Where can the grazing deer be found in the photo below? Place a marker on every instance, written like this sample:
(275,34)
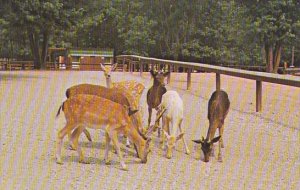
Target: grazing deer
(172,120)
(156,91)
(114,95)
(218,107)
(95,112)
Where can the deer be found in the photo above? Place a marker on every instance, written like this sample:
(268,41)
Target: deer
(172,117)
(218,108)
(95,112)
(155,92)
(132,89)
(115,95)
(135,88)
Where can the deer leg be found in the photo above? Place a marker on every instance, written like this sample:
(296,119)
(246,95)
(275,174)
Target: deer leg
(61,134)
(164,127)
(87,134)
(127,142)
(220,153)
(221,130)
(107,147)
(74,140)
(187,151)
(114,138)
(149,117)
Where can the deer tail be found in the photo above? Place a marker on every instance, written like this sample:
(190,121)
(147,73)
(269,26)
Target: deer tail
(60,107)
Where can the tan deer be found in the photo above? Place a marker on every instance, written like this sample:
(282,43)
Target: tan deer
(134,88)
(91,111)
(131,89)
(115,95)
(218,107)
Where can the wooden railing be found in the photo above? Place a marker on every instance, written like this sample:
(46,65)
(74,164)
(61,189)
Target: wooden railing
(132,61)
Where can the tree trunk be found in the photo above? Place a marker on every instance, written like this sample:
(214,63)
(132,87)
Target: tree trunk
(277,57)
(44,49)
(269,58)
(34,45)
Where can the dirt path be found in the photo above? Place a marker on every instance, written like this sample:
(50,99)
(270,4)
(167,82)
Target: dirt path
(261,149)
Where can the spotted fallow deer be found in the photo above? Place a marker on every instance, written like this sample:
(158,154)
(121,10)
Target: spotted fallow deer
(155,92)
(131,89)
(134,88)
(218,107)
(172,121)
(95,112)
(114,95)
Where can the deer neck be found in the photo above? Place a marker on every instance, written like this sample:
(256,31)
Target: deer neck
(137,139)
(108,82)
(156,83)
(211,130)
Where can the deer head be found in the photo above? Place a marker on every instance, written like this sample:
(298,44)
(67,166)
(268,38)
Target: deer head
(159,77)
(107,73)
(207,146)
(171,141)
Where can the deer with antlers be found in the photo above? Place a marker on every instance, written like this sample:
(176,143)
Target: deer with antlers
(218,107)
(155,92)
(95,112)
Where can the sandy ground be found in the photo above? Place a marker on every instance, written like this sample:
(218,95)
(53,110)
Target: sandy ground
(262,150)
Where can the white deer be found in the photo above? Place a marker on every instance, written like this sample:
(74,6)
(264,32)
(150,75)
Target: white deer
(172,106)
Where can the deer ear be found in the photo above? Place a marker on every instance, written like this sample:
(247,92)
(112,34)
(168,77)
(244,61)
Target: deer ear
(131,112)
(179,136)
(102,67)
(114,66)
(153,73)
(197,141)
(215,140)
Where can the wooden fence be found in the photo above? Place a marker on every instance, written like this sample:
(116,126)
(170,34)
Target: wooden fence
(131,62)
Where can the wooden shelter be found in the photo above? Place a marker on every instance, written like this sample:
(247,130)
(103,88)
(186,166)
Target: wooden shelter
(89,59)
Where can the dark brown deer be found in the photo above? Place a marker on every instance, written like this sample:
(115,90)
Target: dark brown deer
(154,94)
(218,107)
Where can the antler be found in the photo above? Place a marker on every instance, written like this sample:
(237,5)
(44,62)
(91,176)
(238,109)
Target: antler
(155,126)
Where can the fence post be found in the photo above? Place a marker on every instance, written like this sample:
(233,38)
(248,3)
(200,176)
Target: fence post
(218,81)
(123,62)
(169,75)
(141,68)
(189,78)
(258,96)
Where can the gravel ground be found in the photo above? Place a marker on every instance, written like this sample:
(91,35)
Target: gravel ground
(261,149)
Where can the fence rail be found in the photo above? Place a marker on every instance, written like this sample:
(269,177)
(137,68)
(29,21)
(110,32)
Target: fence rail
(131,61)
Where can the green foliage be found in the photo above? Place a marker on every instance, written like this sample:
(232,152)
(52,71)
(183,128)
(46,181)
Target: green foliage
(229,32)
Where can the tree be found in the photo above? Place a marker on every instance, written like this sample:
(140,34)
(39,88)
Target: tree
(40,19)
(275,23)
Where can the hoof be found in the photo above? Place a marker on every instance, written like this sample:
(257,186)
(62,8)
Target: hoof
(59,161)
(84,162)
(220,159)
(188,152)
(71,147)
(128,145)
(124,168)
(107,162)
